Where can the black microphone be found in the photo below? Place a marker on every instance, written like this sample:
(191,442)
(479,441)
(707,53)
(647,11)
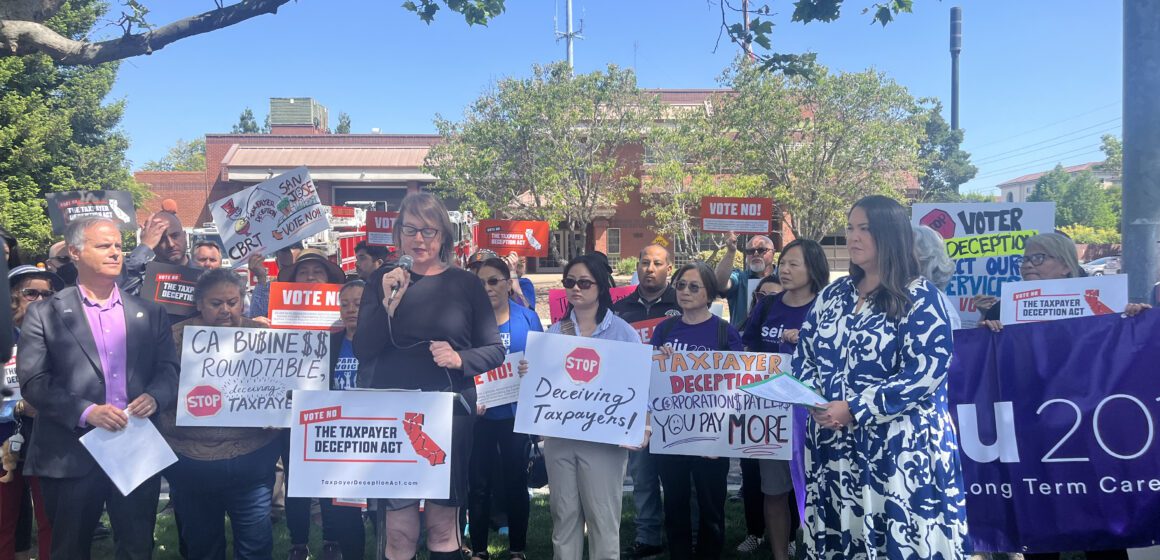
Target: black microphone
(404,263)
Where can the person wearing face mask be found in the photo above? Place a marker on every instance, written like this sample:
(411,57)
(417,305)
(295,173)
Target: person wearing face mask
(220,471)
(653,298)
(774,327)
(495,442)
(1048,256)
(430,328)
(881,405)
(311,267)
(586,478)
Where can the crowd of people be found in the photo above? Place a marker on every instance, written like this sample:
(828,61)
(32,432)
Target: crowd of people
(876,345)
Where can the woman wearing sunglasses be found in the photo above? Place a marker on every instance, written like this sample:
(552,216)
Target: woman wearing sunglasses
(587,479)
(28,285)
(695,329)
(429,328)
(495,441)
(773,327)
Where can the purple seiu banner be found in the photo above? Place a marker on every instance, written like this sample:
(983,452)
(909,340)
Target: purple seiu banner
(1057,426)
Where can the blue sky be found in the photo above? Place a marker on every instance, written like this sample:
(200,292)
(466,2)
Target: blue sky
(1041,79)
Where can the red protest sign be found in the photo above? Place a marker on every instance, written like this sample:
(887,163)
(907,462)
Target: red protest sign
(582,364)
(381,228)
(721,214)
(526,238)
(204,400)
(295,305)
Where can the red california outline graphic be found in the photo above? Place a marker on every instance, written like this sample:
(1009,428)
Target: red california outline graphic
(423,444)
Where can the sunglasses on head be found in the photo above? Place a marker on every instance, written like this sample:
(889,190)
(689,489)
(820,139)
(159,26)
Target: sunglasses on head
(493,282)
(757,251)
(681,286)
(33,294)
(584,283)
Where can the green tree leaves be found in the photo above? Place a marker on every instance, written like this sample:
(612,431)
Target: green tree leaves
(183,156)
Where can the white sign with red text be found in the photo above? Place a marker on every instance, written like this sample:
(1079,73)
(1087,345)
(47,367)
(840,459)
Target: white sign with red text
(699,409)
(1051,300)
(501,385)
(584,388)
(371,444)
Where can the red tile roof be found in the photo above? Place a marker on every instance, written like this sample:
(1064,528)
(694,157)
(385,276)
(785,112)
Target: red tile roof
(331,156)
(1035,176)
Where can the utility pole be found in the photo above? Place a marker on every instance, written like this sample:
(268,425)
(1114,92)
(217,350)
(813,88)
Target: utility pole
(745,45)
(569,35)
(956,48)
(1141,174)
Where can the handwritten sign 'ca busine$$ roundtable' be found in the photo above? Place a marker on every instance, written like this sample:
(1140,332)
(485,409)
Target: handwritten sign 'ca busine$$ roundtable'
(238,377)
(270,215)
(584,388)
(371,444)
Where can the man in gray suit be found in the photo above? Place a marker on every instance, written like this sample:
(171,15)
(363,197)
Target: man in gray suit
(87,358)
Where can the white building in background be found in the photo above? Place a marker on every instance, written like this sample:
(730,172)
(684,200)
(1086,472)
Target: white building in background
(1020,188)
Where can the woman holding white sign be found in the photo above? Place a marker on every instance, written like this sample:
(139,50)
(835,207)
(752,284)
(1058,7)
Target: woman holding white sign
(884,475)
(495,441)
(428,326)
(1049,256)
(220,471)
(695,329)
(587,479)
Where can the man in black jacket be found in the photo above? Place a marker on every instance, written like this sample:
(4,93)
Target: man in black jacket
(654,298)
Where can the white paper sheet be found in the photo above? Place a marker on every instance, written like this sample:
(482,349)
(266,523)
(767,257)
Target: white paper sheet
(785,388)
(130,456)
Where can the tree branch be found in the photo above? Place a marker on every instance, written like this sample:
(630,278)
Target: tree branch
(28,37)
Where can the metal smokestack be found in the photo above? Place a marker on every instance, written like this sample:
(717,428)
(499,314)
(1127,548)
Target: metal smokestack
(956,48)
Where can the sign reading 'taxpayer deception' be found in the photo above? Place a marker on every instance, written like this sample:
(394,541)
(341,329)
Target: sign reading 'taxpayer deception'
(526,238)
(65,207)
(295,305)
(1050,300)
(740,215)
(381,228)
(171,286)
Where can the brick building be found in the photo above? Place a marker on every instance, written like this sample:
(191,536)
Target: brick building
(379,167)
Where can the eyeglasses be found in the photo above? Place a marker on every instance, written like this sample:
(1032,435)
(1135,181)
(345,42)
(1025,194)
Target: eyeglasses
(584,283)
(681,286)
(757,251)
(427,232)
(1037,259)
(493,282)
(33,294)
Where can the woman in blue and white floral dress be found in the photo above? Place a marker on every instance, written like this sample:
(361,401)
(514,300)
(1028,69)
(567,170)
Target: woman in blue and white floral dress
(882,458)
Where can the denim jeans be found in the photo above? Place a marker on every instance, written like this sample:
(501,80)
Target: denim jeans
(646,495)
(204,492)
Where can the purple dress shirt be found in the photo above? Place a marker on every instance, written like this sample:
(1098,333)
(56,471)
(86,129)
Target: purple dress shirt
(107,323)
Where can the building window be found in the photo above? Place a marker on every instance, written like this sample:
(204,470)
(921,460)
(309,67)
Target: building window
(1010,197)
(613,241)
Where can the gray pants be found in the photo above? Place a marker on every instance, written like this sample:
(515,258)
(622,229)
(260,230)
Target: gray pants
(587,488)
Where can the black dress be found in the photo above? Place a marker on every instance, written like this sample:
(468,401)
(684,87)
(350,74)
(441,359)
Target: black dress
(451,306)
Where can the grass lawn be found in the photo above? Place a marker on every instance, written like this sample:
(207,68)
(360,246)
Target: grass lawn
(539,536)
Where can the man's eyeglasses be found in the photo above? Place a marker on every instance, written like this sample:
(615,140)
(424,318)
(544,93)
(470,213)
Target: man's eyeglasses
(757,251)
(1037,259)
(33,294)
(493,282)
(681,286)
(427,232)
(584,283)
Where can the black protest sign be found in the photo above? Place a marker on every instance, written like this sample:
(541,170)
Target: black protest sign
(171,286)
(64,207)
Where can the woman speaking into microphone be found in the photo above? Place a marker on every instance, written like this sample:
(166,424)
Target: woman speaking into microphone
(429,328)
